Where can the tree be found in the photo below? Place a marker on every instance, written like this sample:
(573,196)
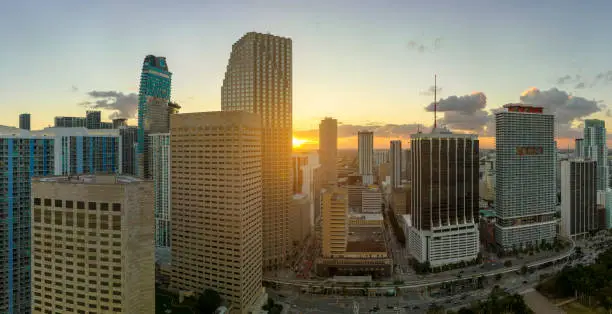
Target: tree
(208,301)
(508,263)
(435,309)
(498,277)
(524,269)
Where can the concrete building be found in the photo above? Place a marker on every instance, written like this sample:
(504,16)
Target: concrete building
(579,148)
(328,150)
(216,184)
(24,121)
(578,197)
(298,161)
(93,118)
(159,147)
(384,173)
(371,200)
(69,122)
(258,79)
(119,122)
(365,156)
(334,229)
(129,145)
(381,156)
(608,209)
(153,98)
(312,183)
(395,153)
(355,196)
(406,161)
(596,148)
(524,176)
(299,219)
(22,156)
(399,200)
(98,230)
(444,197)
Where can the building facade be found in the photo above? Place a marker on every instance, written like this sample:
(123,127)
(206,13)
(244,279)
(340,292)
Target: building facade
(21,158)
(365,153)
(24,121)
(578,148)
(93,118)
(298,161)
(300,220)
(216,193)
(328,150)
(371,200)
(596,148)
(578,197)
(395,152)
(334,222)
(98,231)
(258,79)
(525,162)
(445,196)
(153,98)
(69,122)
(129,138)
(160,174)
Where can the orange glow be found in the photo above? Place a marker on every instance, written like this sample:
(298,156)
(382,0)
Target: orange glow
(298,142)
(529,91)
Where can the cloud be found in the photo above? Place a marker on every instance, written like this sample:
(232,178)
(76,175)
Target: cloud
(430,90)
(580,85)
(122,105)
(74,89)
(568,109)
(564,79)
(466,104)
(380,130)
(425,47)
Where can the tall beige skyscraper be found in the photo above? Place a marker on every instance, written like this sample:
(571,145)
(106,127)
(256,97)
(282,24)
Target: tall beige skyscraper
(93,245)
(365,154)
(328,149)
(216,193)
(334,229)
(258,80)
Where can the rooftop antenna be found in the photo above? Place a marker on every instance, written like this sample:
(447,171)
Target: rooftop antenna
(435,101)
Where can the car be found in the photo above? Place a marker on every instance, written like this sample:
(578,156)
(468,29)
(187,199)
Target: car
(389,306)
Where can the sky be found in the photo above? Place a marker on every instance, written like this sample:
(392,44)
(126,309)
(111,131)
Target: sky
(369,64)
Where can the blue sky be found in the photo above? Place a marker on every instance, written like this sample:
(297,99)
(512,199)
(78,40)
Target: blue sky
(352,59)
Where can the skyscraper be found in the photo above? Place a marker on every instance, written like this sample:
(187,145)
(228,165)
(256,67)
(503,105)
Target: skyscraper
(21,158)
(70,122)
(596,148)
(24,121)
(524,176)
(153,98)
(160,173)
(579,148)
(396,163)
(298,161)
(119,122)
(258,79)
(365,155)
(444,197)
(328,149)
(216,182)
(578,197)
(334,227)
(111,272)
(93,119)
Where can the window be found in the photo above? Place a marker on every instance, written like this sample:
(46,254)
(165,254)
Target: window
(91,205)
(58,203)
(116,207)
(80,205)
(104,206)
(47,202)
(69,204)
(37,201)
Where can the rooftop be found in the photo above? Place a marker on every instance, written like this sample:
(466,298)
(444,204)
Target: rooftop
(366,216)
(365,239)
(90,179)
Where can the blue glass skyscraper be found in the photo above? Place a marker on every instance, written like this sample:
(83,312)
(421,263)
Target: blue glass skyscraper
(153,97)
(22,157)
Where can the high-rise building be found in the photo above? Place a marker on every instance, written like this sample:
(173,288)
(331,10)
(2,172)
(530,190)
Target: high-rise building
(596,148)
(298,161)
(24,121)
(106,125)
(578,197)
(525,162)
(153,98)
(299,219)
(328,149)
(395,153)
(93,119)
(129,137)
(381,156)
(216,184)
(406,155)
(579,148)
(98,231)
(119,122)
(70,122)
(160,173)
(22,156)
(258,79)
(444,197)
(371,200)
(334,226)
(365,155)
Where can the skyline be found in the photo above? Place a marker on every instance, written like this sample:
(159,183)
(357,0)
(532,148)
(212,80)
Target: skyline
(347,64)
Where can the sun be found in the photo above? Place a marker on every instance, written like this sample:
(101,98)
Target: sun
(298,142)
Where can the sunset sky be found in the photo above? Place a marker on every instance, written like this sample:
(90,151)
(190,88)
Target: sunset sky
(369,64)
